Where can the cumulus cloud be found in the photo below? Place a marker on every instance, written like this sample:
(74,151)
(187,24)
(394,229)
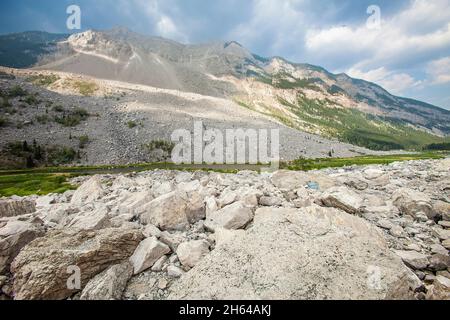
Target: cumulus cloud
(393,82)
(157,18)
(400,40)
(277,25)
(439,71)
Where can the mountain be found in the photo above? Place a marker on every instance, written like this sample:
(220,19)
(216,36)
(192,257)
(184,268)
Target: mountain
(302,96)
(22,50)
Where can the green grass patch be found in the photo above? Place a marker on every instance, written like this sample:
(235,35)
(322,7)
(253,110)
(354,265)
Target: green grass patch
(83,141)
(317,164)
(85,88)
(72,118)
(30,184)
(3,121)
(358,128)
(166,146)
(43,80)
(132,124)
(46,180)
(16,91)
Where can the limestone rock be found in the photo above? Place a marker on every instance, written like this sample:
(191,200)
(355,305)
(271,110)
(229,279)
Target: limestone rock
(158,266)
(313,253)
(372,174)
(270,201)
(413,259)
(443,209)
(91,220)
(14,235)
(89,191)
(45,201)
(167,212)
(411,202)
(147,253)
(41,270)
(108,285)
(190,253)
(135,202)
(442,234)
(151,231)
(440,290)
(292,180)
(172,240)
(227,198)
(211,205)
(174,272)
(342,198)
(235,216)
(356,183)
(13,208)
(439,262)
(446,244)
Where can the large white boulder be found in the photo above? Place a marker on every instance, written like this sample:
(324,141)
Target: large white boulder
(342,198)
(43,269)
(313,253)
(89,191)
(191,252)
(235,216)
(411,202)
(147,253)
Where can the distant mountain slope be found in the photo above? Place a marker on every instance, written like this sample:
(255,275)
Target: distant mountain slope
(303,96)
(23,50)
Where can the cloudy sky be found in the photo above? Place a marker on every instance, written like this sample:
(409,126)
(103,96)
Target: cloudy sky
(407,52)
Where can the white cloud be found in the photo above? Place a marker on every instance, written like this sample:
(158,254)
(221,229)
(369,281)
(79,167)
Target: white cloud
(394,82)
(159,21)
(407,36)
(439,71)
(279,24)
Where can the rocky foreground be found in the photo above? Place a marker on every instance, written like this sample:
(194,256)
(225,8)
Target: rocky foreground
(378,232)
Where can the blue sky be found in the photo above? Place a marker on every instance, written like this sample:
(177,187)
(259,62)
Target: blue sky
(408,54)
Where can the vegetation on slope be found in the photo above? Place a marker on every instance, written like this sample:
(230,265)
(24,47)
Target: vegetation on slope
(54,179)
(358,128)
(317,164)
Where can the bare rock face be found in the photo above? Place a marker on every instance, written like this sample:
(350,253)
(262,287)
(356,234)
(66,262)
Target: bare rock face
(235,216)
(313,253)
(41,268)
(147,253)
(110,284)
(14,235)
(190,253)
(291,180)
(89,191)
(174,211)
(90,220)
(443,209)
(440,290)
(13,208)
(413,259)
(411,202)
(342,198)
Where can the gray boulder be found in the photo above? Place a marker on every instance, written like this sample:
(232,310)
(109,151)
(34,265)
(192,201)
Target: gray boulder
(13,208)
(147,253)
(42,269)
(235,216)
(110,284)
(313,253)
(342,198)
(14,235)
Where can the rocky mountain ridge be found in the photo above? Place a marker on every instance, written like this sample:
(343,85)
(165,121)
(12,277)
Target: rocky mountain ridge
(302,96)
